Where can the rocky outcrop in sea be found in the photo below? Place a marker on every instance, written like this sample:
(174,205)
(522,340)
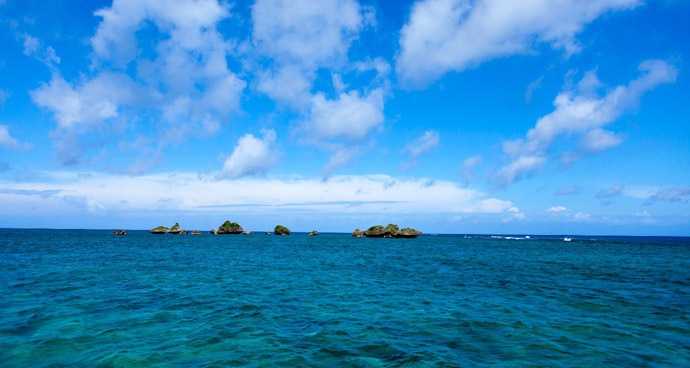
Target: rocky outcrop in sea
(390,231)
(175,229)
(228,227)
(281,230)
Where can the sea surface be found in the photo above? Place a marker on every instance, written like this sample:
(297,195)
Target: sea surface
(82,298)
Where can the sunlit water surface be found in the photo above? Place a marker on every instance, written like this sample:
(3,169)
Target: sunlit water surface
(90,298)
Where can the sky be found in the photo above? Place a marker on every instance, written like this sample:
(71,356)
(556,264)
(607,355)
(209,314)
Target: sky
(450,116)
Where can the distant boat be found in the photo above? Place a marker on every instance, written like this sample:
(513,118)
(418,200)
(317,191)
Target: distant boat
(567,239)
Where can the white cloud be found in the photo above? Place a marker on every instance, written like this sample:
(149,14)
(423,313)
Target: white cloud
(680,194)
(250,156)
(581,216)
(582,112)
(556,209)
(34,47)
(81,107)
(300,37)
(428,141)
(340,158)
(598,140)
(520,167)
(309,33)
(350,117)
(445,35)
(190,25)
(288,84)
(642,214)
(9,142)
(531,88)
(157,194)
(181,81)
(295,39)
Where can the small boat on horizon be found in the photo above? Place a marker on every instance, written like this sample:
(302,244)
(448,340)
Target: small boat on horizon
(567,239)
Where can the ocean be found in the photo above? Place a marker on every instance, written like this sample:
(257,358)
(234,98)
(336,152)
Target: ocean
(87,298)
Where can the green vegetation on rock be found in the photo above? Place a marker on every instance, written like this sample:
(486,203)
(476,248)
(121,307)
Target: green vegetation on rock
(281,230)
(230,227)
(377,231)
(390,231)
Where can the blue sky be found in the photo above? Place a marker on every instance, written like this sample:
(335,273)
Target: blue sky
(450,116)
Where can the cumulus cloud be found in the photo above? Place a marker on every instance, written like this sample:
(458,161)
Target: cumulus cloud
(311,32)
(295,39)
(447,35)
(190,25)
(180,80)
(300,37)
(83,106)
(250,156)
(287,84)
(581,112)
(9,142)
(428,141)
(515,214)
(349,117)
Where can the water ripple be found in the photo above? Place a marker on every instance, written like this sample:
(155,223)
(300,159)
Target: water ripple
(87,298)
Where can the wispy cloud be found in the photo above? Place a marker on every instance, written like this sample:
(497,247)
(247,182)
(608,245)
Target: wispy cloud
(556,209)
(581,112)
(35,48)
(446,35)
(468,168)
(423,144)
(611,192)
(679,194)
(32,192)
(570,189)
(9,142)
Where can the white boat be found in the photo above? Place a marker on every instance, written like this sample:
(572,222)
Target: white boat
(567,239)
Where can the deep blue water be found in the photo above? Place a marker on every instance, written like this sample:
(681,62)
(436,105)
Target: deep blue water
(90,298)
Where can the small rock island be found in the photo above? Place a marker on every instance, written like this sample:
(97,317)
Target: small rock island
(175,229)
(281,230)
(228,227)
(390,231)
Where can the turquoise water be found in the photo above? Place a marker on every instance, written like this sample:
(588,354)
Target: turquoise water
(90,298)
